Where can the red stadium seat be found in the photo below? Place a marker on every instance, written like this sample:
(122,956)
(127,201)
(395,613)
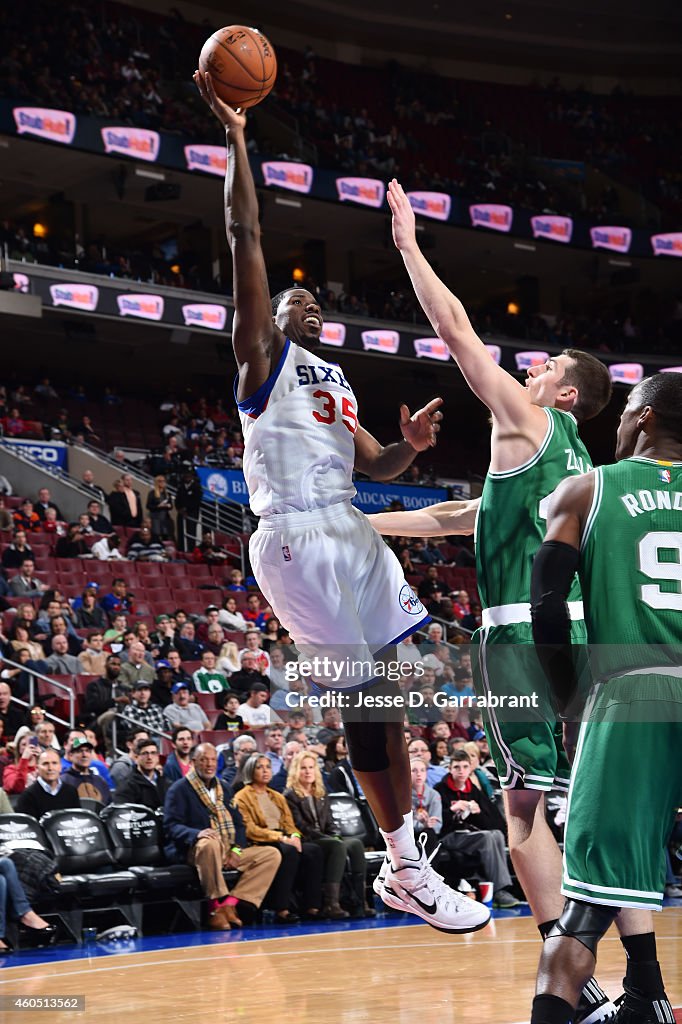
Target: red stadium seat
(175,569)
(152,582)
(206,702)
(145,569)
(235,637)
(215,737)
(181,583)
(200,572)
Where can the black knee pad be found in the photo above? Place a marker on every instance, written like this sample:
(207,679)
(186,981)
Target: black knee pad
(367,745)
(586,922)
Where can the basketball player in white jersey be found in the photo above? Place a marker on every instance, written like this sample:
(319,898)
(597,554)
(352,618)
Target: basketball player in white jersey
(329,578)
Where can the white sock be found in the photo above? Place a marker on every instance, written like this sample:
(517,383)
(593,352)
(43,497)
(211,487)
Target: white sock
(409,820)
(400,845)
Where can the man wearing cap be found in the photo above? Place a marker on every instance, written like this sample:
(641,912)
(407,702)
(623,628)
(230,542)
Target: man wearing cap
(80,775)
(141,710)
(145,783)
(161,687)
(211,613)
(255,710)
(183,712)
(48,792)
(97,767)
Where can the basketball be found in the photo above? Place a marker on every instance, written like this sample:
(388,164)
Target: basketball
(242,64)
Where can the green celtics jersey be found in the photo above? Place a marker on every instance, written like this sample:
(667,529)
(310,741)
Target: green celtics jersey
(511,521)
(631,566)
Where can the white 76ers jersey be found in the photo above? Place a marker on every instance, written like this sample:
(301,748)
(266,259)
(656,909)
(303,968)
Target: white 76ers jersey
(299,430)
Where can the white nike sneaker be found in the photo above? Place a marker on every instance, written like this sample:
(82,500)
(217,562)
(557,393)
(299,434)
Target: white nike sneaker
(378,883)
(416,888)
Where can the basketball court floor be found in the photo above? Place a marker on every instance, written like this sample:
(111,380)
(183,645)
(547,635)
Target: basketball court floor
(389,971)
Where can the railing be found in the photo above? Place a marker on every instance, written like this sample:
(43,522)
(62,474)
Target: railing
(69,692)
(225,515)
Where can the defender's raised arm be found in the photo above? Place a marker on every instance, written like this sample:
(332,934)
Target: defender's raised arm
(505,397)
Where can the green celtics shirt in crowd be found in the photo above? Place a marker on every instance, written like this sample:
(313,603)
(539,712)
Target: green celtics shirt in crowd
(511,521)
(631,567)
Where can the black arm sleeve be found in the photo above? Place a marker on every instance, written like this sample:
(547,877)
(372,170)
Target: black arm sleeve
(554,568)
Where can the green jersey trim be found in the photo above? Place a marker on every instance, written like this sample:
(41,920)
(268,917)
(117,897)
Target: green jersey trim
(503,474)
(597,493)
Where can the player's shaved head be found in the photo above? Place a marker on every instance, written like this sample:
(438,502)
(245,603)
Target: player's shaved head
(662,392)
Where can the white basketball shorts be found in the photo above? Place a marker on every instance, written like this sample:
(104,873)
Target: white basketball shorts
(335,586)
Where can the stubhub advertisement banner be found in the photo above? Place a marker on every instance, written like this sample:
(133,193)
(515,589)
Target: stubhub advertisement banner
(75,296)
(626,373)
(431,348)
(209,159)
(333,334)
(204,314)
(139,143)
(223,484)
(54,125)
(147,307)
(491,215)
(53,455)
(667,245)
(431,204)
(366,191)
(287,174)
(526,359)
(615,239)
(557,229)
(373,497)
(381,341)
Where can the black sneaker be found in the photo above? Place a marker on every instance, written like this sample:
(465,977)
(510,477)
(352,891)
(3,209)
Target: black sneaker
(634,1009)
(594,1005)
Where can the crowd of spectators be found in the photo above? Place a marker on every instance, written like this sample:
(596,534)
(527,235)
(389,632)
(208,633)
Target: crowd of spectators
(468,138)
(185,706)
(206,716)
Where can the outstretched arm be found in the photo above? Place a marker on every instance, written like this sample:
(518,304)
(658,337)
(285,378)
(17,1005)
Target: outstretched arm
(256,340)
(554,569)
(419,433)
(443,519)
(505,397)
